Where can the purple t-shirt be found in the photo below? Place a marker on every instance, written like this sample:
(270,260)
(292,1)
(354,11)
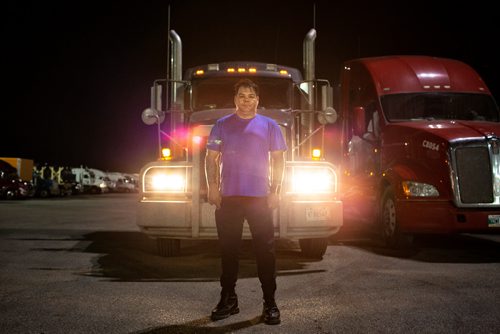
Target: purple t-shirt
(245,145)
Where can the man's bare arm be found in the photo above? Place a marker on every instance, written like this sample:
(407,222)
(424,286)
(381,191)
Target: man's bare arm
(212,173)
(277,172)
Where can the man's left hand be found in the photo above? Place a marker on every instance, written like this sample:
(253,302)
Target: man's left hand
(273,201)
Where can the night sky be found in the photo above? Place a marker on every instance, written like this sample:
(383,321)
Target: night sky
(76,75)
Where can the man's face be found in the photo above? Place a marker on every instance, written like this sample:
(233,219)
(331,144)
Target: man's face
(246,102)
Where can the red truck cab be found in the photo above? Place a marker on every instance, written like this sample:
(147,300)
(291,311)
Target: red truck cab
(420,147)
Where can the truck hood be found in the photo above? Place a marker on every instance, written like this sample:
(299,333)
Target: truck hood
(450,130)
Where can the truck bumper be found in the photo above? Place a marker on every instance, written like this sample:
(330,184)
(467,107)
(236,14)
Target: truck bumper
(415,216)
(180,219)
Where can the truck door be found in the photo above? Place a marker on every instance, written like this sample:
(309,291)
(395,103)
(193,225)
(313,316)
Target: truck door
(361,149)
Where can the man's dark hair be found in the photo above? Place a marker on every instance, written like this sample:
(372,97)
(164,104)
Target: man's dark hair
(247,83)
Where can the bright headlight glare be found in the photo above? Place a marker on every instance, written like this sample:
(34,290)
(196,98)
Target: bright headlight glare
(310,180)
(168,182)
(418,189)
(165,180)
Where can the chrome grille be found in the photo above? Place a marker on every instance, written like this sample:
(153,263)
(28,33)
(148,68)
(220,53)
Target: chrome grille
(475,167)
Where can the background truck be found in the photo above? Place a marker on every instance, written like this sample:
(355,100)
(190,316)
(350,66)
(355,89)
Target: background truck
(121,182)
(55,181)
(173,192)
(90,182)
(420,147)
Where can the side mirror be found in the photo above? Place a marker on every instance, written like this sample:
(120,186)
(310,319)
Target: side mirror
(359,121)
(327,116)
(150,116)
(154,114)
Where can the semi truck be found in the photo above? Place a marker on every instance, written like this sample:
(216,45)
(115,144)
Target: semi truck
(420,147)
(91,180)
(121,182)
(173,192)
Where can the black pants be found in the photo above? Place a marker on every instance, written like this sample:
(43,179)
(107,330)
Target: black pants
(229,219)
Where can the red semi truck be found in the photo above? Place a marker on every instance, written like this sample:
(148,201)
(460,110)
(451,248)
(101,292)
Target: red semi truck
(420,147)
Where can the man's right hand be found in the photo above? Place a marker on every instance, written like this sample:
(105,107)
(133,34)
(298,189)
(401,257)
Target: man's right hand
(214,197)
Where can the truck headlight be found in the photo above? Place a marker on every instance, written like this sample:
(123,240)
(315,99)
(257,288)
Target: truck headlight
(311,180)
(419,189)
(169,179)
(168,182)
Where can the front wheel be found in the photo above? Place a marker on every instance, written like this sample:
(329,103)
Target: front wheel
(391,230)
(168,247)
(313,248)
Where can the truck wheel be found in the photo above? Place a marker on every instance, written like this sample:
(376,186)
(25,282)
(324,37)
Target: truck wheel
(313,248)
(168,247)
(389,224)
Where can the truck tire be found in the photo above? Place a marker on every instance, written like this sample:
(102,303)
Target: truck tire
(313,248)
(391,232)
(168,247)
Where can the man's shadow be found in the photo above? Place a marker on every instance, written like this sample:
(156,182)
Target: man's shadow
(132,256)
(201,326)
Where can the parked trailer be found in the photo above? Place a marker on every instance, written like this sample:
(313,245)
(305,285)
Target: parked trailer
(23,166)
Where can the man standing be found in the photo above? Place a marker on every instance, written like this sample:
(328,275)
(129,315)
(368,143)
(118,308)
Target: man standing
(245,146)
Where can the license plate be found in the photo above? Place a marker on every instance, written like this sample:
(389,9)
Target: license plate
(317,213)
(494,221)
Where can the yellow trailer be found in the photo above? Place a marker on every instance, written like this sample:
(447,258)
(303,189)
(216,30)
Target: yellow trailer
(24,167)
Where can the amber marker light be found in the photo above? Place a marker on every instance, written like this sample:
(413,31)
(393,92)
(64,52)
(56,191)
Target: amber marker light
(252,70)
(200,72)
(241,70)
(316,154)
(230,70)
(283,72)
(166,153)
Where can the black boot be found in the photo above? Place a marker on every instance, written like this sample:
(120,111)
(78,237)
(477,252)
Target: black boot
(227,306)
(271,313)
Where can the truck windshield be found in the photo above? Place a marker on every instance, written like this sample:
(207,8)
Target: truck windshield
(437,106)
(217,92)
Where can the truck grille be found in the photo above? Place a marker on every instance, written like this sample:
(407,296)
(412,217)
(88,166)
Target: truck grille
(476,168)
